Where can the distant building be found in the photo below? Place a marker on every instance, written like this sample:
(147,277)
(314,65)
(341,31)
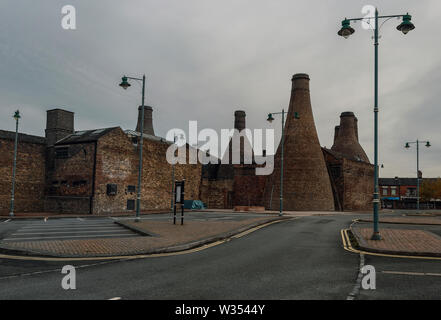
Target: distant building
(402,192)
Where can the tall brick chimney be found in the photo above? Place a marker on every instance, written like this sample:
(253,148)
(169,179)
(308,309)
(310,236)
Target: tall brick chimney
(347,140)
(307,186)
(336,130)
(148,120)
(245,144)
(59,124)
(239,120)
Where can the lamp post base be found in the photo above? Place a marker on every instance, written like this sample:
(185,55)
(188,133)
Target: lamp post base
(11,214)
(376,236)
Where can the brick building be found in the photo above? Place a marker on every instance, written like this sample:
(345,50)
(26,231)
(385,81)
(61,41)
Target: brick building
(225,186)
(351,174)
(93,171)
(30,175)
(315,178)
(401,193)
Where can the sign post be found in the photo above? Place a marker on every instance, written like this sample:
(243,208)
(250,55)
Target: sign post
(179,198)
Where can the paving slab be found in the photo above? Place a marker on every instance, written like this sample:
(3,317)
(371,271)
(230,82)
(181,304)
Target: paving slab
(166,237)
(399,242)
(407,220)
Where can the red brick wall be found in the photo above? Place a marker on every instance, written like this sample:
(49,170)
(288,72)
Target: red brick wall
(353,182)
(30,181)
(217,194)
(248,188)
(117,163)
(69,181)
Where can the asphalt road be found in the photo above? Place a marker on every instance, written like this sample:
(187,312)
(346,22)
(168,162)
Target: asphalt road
(300,259)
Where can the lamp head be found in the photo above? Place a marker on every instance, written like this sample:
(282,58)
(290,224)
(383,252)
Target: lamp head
(428,145)
(407,146)
(270,118)
(17,115)
(124,84)
(346,29)
(406,25)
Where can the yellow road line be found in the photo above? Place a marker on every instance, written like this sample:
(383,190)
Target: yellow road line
(143,256)
(351,249)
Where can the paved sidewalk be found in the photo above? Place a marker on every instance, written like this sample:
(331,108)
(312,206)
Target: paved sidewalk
(166,238)
(399,242)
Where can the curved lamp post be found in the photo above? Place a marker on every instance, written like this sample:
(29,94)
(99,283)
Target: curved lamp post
(345,31)
(125,84)
(270,120)
(407,146)
(14,167)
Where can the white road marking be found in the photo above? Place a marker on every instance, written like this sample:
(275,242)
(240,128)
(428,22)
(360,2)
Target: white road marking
(80,219)
(116,298)
(62,232)
(71,228)
(6,221)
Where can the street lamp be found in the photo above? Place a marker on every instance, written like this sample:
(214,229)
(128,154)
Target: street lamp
(14,167)
(407,146)
(345,32)
(125,84)
(270,120)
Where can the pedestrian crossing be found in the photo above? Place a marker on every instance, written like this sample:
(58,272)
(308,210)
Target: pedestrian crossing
(69,229)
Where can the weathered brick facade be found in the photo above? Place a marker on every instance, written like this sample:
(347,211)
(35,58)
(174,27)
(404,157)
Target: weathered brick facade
(30,179)
(306,181)
(225,186)
(117,163)
(96,171)
(352,176)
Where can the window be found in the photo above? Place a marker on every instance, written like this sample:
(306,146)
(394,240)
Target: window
(130,204)
(62,153)
(384,193)
(411,192)
(112,189)
(131,189)
(393,191)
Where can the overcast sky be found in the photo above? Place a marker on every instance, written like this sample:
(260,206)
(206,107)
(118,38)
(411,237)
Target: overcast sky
(204,59)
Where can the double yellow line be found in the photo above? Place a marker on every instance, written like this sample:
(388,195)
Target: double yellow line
(348,247)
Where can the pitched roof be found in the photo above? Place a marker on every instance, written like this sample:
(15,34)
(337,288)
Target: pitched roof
(84,136)
(146,136)
(10,135)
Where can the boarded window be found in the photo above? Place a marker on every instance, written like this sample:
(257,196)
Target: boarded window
(130,204)
(112,189)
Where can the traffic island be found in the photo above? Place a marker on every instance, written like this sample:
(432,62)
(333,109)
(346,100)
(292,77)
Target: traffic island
(407,220)
(403,242)
(157,237)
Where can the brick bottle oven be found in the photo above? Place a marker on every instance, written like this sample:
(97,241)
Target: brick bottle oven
(306,181)
(346,138)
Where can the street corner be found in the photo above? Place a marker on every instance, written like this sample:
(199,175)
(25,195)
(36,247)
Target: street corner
(128,239)
(410,243)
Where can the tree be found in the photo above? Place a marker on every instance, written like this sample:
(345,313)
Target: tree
(430,189)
